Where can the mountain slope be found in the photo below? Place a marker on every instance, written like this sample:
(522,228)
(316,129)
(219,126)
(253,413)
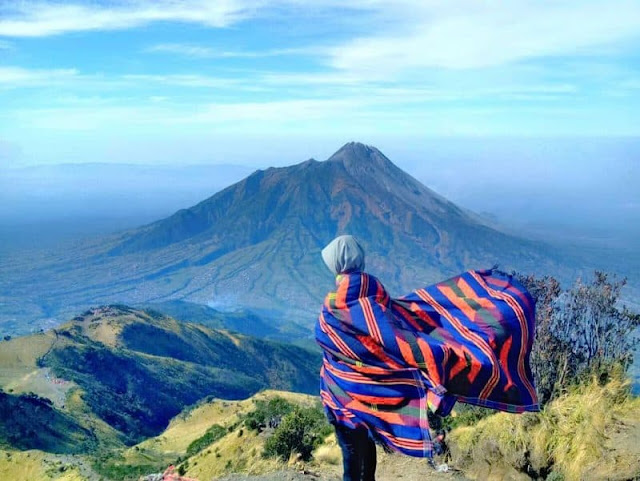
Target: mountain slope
(256,244)
(127,372)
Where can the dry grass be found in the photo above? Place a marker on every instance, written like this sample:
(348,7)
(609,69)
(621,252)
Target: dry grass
(34,465)
(189,426)
(329,452)
(18,356)
(588,433)
(240,451)
(579,431)
(234,453)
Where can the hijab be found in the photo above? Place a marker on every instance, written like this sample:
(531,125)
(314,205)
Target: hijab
(344,254)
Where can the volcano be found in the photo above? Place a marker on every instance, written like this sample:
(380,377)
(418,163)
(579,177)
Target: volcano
(257,243)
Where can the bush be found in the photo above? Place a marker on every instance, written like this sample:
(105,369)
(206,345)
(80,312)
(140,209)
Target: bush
(117,469)
(214,433)
(301,431)
(465,415)
(555,476)
(267,413)
(578,331)
(599,332)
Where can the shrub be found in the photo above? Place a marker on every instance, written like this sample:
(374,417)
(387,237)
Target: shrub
(463,415)
(599,332)
(578,331)
(555,476)
(301,431)
(214,433)
(267,413)
(113,469)
(550,351)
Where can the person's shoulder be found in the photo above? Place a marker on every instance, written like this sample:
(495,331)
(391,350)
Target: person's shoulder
(358,284)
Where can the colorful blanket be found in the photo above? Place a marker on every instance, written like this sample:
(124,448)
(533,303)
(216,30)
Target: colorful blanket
(387,361)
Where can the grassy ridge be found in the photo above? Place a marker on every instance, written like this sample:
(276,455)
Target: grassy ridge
(137,395)
(208,440)
(139,369)
(118,375)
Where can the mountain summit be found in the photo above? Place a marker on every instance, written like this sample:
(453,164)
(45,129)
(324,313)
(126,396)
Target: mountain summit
(357,189)
(257,243)
(354,153)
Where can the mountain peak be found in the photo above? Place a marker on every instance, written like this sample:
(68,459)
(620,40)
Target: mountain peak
(352,152)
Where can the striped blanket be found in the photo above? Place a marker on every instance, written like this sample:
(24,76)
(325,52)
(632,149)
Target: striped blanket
(387,361)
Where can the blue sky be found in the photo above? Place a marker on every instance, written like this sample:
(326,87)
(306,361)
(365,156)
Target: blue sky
(276,81)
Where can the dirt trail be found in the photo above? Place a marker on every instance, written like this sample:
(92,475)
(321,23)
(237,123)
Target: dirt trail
(390,468)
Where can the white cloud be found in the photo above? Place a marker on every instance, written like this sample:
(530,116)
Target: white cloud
(39,18)
(42,18)
(71,80)
(409,34)
(370,111)
(467,34)
(188,50)
(182,80)
(17,77)
(154,115)
(201,51)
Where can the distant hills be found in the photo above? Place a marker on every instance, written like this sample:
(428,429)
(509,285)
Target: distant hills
(118,375)
(256,245)
(243,321)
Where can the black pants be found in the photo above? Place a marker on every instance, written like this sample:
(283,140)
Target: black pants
(358,454)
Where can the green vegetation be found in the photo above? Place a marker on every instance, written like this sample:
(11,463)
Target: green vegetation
(214,433)
(301,431)
(267,413)
(463,415)
(31,422)
(138,395)
(296,429)
(137,386)
(114,467)
(578,331)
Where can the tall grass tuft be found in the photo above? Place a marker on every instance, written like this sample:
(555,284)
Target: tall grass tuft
(329,452)
(577,435)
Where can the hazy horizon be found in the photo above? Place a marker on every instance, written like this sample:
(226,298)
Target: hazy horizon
(580,190)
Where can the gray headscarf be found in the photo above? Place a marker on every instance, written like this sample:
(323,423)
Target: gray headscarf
(343,254)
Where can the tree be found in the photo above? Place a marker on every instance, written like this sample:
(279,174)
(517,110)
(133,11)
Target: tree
(550,355)
(301,431)
(578,331)
(600,332)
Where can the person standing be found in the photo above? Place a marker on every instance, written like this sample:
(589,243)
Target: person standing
(387,362)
